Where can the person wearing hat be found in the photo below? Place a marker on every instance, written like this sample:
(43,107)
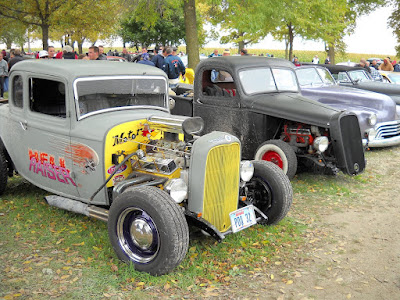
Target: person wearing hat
(43,54)
(145,60)
(226,52)
(68,53)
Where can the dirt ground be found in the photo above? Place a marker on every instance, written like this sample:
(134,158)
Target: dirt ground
(351,253)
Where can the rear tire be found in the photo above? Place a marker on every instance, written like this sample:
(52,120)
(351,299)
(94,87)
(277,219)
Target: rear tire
(279,153)
(3,172)
(270,191)
(148,229)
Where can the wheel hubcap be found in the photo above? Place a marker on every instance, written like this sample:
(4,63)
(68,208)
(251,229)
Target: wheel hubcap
(141,233)
(138,235)
(273,157)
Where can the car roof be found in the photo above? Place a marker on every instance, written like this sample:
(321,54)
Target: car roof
(239,62)
(340,68)
(74,68)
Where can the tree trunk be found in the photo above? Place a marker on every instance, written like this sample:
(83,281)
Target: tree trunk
(286,48)
(80,43)
(331,53)
(9,45)
(192,39)
(291,37)
(45,35)
(241,44)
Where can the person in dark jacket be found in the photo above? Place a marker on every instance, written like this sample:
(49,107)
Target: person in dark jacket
(159,59)
(69,53)
(145,60)
(15,57)
(174,67)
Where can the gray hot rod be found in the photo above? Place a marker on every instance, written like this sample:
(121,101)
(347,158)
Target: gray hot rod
(100,137)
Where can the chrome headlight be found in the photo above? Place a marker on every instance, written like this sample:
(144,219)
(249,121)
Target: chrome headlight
(246,170)
(372,119)
(177,189)
(321,143)
(370,134)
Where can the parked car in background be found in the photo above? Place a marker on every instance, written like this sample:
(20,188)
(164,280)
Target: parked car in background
(347,63)
(116,58)
(390,77)
(258,100)
(357,77)
(379,122)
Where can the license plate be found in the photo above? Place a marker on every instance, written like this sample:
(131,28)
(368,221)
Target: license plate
(242,218)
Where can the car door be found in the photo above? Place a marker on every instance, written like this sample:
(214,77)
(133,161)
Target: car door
(42,128)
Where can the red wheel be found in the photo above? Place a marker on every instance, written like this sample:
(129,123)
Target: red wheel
(279,153)
(273,157)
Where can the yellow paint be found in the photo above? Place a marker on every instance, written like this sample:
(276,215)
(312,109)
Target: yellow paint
(115,143)
(125,138)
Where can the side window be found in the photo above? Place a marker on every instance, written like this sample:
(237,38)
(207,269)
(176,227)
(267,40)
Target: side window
(47,97)
(17,91)
(218,83)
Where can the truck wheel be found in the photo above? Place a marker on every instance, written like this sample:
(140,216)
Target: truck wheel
(3,172)
(270,191)
(279,153)
(148,229)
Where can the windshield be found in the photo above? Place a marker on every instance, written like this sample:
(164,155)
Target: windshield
(98,94)
(394,78)
(264,80)
(308,77)
(359,75)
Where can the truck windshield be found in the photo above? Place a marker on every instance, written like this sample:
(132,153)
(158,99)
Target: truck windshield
(264,80)
(98,94)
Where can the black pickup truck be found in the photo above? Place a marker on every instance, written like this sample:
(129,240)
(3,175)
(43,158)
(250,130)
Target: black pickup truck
(258,100)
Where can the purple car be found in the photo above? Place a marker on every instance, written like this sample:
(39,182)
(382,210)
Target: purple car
(376,112)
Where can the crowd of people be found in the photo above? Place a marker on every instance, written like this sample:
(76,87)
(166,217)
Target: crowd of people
(165,58)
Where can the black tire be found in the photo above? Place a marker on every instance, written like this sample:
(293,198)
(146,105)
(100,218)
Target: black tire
(279,153)
(162,243)
(270,191)
(3,172)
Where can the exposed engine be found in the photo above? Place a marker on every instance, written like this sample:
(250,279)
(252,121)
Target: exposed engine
(161,156)
(301,135)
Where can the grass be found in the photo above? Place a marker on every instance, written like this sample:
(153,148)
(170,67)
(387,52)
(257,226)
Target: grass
(46,252)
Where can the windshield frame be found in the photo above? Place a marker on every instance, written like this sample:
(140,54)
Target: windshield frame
(99,78)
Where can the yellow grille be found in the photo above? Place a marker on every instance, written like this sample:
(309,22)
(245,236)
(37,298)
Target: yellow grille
(221,185)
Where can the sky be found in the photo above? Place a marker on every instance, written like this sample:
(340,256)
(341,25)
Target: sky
(371,36)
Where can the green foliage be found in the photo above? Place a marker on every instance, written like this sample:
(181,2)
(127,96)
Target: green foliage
(169,30)
(246,21)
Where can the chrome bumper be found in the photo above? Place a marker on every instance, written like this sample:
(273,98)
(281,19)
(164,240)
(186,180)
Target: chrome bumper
(380,142)
(387,134)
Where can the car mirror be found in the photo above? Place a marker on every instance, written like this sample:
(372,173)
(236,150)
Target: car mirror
(192,126)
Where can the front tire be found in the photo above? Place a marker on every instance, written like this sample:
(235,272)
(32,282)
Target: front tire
(279,153)
(148,229)
(270,191)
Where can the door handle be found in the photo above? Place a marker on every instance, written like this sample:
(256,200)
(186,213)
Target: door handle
(198,101)
(24,124)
